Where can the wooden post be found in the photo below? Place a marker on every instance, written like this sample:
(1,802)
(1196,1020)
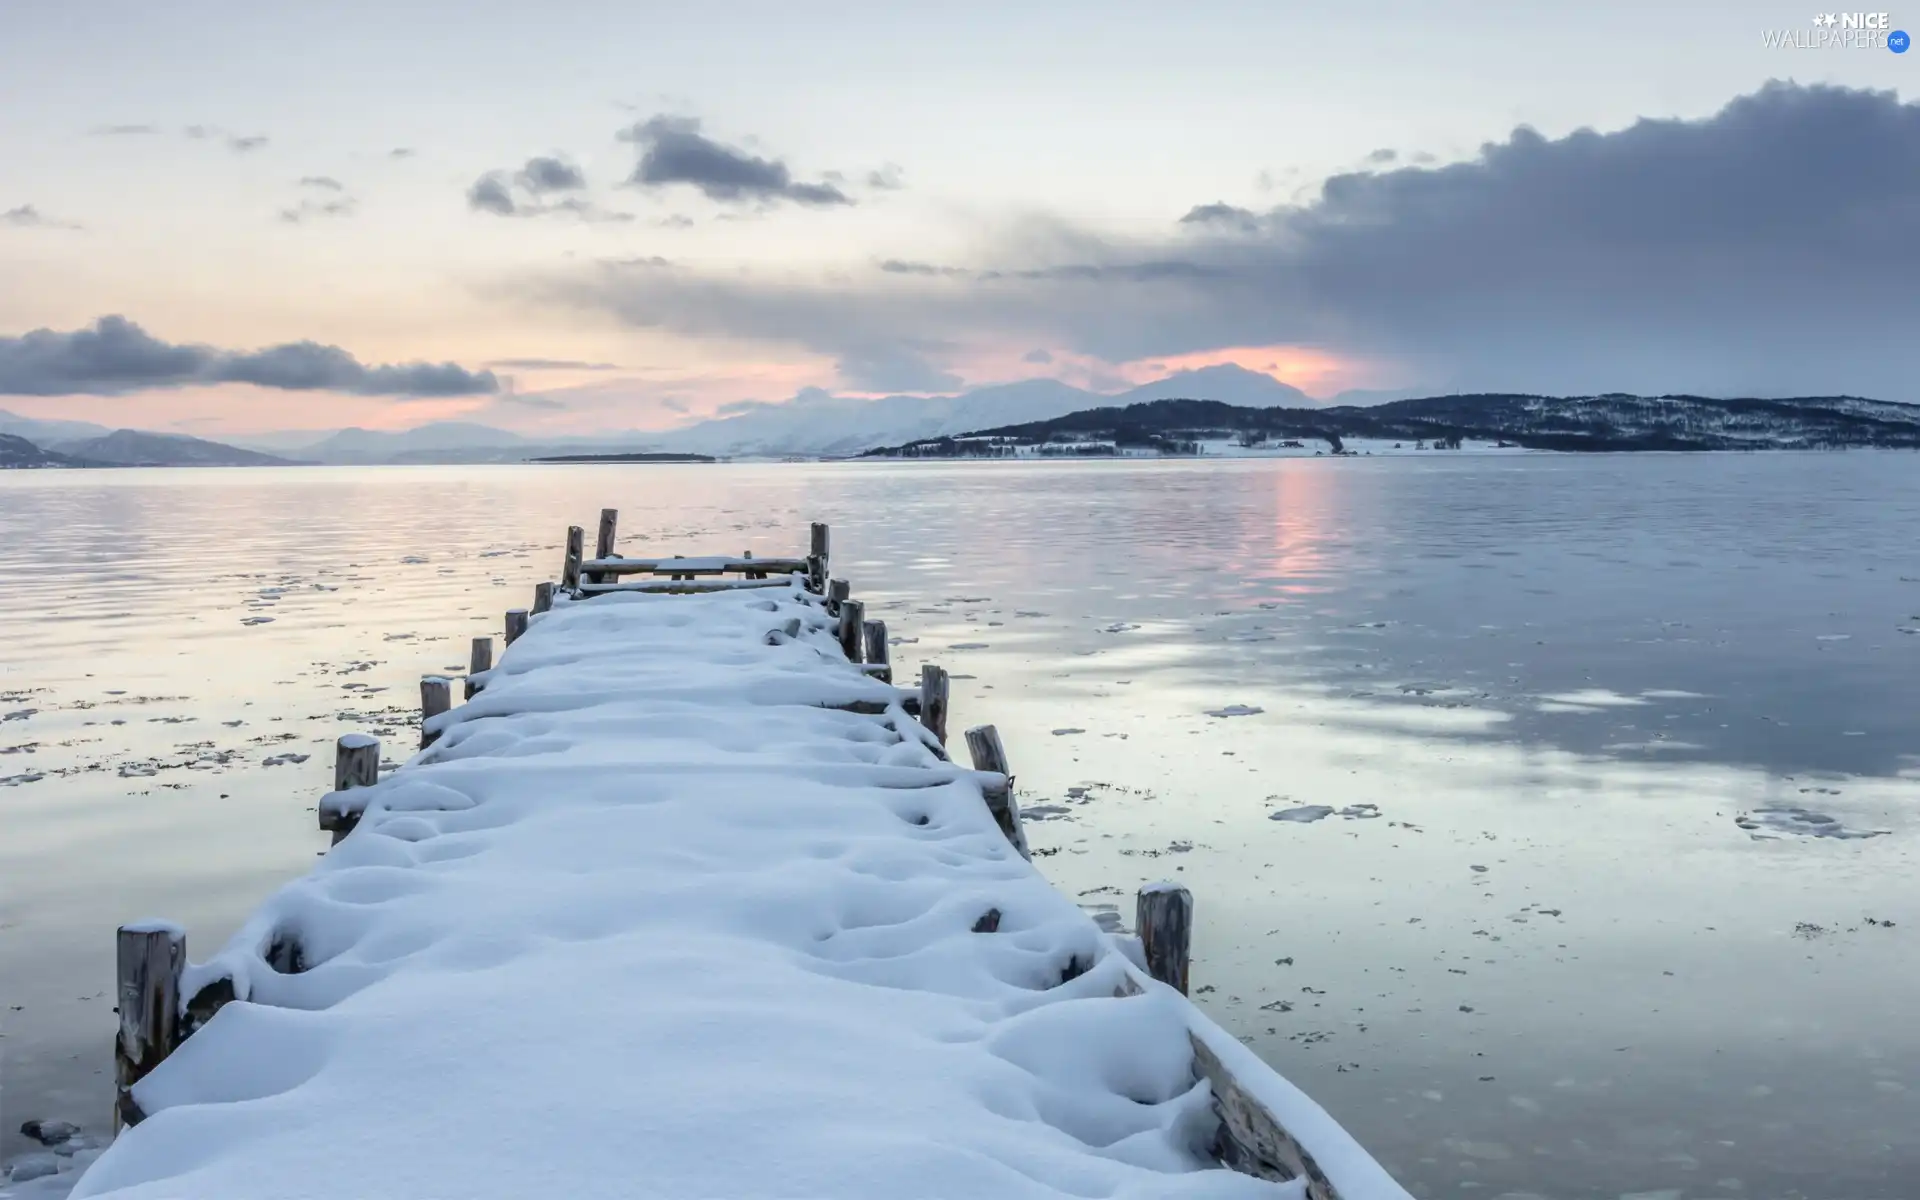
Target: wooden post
(356,764)
(933,701)
(542,597)
(603,544)
(853,615)
(983,746)
(480,660)
(750,573)
(436,697)
(817,560)
(878,652)
(570,568)
(1163,918)
(516,624)
(150,956)
(837,593)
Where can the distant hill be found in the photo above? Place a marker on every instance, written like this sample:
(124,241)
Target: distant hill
(45,432)
(132,448)
(1586,423)
(440,441)
(18,452)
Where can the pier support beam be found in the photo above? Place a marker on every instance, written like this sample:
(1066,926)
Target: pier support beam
(933,701)
(817,560)
(516,624)
(853,615)
(570,566)
(1163,919)
(837,592)
(480,660)
(879,655)
(542,597)
(149,958)
(356,764)
(984,748)
(436,697)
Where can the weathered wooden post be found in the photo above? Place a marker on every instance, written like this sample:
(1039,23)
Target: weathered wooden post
(878,652)
(933,701)
(542,596)
(480,660)
(356,764)
(837,592)
(853,615)
(149,958)
(436,697)
(1163,918)
(817,560)
(570,568)
(516,624)
(983,746)
(603,541)
(750,573)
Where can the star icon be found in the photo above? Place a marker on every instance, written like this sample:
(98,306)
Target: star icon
(1823,19)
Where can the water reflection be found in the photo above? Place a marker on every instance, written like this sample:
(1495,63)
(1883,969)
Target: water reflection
(1553,963)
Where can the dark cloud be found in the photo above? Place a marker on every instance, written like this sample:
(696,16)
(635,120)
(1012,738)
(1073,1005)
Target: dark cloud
(490,193)
(543,403)
(1037,356)
(124,130)
(26,216)
(114,356)
(239,144)
(673,150)
(311,209)
(1383,155)
(1220,213)
(545,174)
(402,152)
(894,367)
(1769,248)
(325,183)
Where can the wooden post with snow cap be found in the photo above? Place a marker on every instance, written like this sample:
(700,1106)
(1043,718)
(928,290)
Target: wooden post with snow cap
(933,701)
(1163,919)
(149,958)
(480,660)
(436,697)
(542,597)
(878,654)
(853,615)
(817,560)
(356,764)
(570,568)
(837,592)
(516,624)
(984,748)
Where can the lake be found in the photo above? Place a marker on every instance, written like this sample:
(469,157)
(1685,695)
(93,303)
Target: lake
(1550,819)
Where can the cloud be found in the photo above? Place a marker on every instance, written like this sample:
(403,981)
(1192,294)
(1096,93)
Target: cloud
(1037,356)
(115,356)
(1383,155)
(526,192)
(28,217)
(235,142)
(550,364)
(241,145)
(1767,249)
(123,130)
(1220,213)
(545,174)
(325,183)
(894,367)
(402,152)
(673,150)
(310,209)
(524,400)
(888,178)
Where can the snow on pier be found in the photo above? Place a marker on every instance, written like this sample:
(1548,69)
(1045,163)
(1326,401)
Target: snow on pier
(685,902)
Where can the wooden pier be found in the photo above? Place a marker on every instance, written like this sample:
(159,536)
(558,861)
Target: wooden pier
(662,754)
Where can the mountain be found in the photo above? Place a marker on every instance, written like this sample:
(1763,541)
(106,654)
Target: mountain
(47,432)
(1611,422)
(132,448)
(354,446)
(18,452)
(818,422)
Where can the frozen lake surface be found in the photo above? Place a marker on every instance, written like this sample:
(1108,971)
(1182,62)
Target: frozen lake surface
(1550,819)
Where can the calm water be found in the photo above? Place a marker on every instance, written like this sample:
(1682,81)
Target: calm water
(1568,932)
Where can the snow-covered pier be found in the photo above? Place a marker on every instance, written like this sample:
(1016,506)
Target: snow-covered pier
(686,900)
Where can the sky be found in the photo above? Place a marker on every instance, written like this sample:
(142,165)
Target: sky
(589,215)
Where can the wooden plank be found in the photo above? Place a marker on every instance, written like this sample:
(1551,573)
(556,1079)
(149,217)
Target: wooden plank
(480,660)
(984,748)
(878,653)
(436,697)
(570,566)
(516,624)
(542,597)
(683,586)
(853,615)
(1251,1141)
(746,564)
(933,701)
(1163,919)
(149,958)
